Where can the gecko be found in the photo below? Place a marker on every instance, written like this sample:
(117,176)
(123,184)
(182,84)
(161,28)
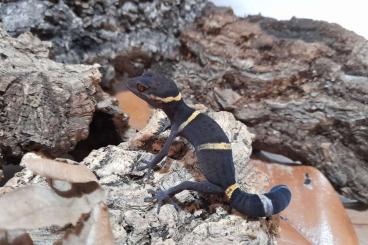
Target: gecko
(212,148)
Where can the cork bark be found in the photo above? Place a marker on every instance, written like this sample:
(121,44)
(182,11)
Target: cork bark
(300,85)
(46,106)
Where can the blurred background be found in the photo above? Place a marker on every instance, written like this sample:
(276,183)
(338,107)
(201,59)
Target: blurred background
(349,14)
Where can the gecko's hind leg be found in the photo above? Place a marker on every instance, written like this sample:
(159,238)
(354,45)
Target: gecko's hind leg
(162,197)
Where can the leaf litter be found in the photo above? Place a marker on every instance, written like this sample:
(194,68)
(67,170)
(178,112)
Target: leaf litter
(73,196)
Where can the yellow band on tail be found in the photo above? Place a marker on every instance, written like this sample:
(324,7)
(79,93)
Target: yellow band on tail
(229,191)
(167,99)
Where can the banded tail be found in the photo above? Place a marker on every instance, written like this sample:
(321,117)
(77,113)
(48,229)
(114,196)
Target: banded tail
(262,205)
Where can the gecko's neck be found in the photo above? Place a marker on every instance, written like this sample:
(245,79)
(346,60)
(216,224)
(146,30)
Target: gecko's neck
(177,112)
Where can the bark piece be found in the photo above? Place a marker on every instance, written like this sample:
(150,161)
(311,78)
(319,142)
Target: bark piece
(303,83)
(115,166)
(1,168)
(124,36)
(203,217)
(45,105)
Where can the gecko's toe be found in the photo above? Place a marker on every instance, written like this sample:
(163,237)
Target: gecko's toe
(148,176)
(151,191)
(176,206)
(152,198)
(142,167)
(149,199)
(159,205)
(161,197)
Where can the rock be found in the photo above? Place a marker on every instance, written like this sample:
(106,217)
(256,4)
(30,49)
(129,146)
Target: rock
(315,212)
(123,36)
(303,87)
(203,218)
(47,106)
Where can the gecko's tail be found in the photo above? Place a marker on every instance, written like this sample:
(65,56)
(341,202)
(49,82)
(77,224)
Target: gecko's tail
(261,205)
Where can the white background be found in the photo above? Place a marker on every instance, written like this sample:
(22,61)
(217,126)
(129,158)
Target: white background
(352,15)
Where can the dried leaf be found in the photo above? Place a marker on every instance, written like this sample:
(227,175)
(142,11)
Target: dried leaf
(38,206)
(59,170)
(15,237)
(93,230)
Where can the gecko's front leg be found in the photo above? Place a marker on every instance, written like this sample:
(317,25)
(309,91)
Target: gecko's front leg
(163,152)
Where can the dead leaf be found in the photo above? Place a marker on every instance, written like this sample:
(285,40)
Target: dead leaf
(94,229)
(60,171)
(38,206)
(15,237)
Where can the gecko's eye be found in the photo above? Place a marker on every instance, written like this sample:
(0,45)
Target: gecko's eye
(141,87)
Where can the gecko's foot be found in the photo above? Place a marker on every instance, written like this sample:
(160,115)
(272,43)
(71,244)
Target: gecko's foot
(145,164)
(166,126)
(161,197)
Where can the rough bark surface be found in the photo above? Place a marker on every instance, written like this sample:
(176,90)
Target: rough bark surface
(123,36)
(45,105)
(203,219)
(1,168)
(300,85)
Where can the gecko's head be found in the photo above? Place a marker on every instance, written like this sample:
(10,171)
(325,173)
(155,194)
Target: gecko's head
(155,89)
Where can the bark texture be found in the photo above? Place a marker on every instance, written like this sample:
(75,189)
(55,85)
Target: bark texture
(44,105)
(203,219)
(1,168)
(300,85)
(123,36)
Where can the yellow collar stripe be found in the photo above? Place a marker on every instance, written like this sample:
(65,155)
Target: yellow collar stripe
(214,146)
(191,118)
(230,190)
(167,99)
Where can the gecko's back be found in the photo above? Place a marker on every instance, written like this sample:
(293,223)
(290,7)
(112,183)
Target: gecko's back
(216,164)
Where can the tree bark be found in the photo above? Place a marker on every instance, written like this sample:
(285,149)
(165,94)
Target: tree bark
(300,85)
(46,106)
